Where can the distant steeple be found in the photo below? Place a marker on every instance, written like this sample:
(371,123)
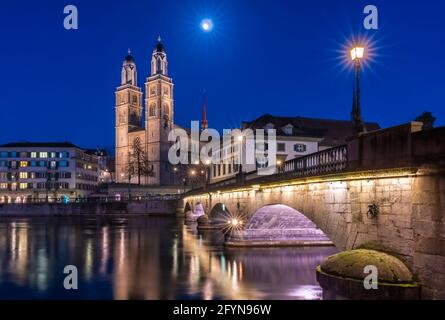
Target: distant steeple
(204,124)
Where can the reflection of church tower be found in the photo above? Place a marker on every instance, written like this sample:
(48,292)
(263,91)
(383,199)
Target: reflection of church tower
(128,114)
(159,116)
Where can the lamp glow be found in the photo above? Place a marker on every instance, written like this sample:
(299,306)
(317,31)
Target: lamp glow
(357,53)
(207,25)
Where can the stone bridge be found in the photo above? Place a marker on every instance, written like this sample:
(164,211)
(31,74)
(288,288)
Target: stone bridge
(398,172)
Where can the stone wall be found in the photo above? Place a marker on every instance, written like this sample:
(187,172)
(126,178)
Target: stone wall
(410,222)
(44,209)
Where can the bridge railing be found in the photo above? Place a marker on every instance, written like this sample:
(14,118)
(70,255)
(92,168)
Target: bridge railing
(327,161)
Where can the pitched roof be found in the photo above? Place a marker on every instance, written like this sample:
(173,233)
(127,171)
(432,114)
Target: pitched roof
(39,145)
(334,132)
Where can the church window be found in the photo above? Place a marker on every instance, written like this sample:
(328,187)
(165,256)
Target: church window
(135,99)
(166,91)
(165,109)
(152,110)
(153,91)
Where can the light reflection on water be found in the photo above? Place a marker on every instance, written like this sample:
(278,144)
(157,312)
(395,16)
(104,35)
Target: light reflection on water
(146,258)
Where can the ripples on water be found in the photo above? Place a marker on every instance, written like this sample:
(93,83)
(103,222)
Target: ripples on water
(146,258)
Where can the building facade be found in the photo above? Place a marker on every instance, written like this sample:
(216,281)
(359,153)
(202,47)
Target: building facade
(295,137)
(142,150)
(46,172)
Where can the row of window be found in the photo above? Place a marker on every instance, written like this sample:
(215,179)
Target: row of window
(223,169)
(29,185)
(11,176)
(87,177)
(35,163)
(281,147)
(84,186)
(86,166)
(298,147)
(34,154)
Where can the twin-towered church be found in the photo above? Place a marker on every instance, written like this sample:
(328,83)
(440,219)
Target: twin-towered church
(151,139)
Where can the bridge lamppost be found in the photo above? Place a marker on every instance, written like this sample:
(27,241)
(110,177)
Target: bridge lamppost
(357,54)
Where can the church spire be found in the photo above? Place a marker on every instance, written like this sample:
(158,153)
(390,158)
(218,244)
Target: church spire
(204,124)
(129,72)
(159,63)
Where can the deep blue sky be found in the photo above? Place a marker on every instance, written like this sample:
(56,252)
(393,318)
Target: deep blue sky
(277,56)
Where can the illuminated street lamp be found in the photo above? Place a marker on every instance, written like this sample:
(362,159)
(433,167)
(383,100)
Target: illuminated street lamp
(357,54)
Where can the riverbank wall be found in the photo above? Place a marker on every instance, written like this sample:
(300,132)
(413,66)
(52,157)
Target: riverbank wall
(152,207)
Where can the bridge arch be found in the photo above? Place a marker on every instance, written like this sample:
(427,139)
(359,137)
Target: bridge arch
(187,207)
(219,214)
(279,225)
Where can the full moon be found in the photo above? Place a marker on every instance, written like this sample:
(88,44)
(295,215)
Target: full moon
(207,25)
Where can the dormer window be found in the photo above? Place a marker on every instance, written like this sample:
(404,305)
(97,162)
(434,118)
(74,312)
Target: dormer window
(288,129)
(269,126)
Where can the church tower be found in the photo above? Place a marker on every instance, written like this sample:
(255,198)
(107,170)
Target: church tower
(128,115)
(159,116)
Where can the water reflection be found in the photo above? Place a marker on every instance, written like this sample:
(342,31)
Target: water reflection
(145,258)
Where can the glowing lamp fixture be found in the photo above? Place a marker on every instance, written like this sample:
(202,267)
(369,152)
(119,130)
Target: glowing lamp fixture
(357,53)
(235,222)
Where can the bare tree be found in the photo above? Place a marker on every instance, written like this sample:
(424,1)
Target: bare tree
(141,166)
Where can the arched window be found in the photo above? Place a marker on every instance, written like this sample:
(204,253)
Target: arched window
(152,110)
(166,110)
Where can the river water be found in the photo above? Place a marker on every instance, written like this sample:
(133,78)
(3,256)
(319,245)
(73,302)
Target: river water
(146,258)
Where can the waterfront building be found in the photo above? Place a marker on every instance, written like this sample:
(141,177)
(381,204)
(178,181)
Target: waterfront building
(295,137)
(46,172)
(105,165)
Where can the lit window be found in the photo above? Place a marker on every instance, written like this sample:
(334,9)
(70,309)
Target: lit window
(53,164)
(43,154)
(33,154)
(13,186)
(23,186)
(53,154)
(23,175)
(23,164)
(3,186)
(13,164)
